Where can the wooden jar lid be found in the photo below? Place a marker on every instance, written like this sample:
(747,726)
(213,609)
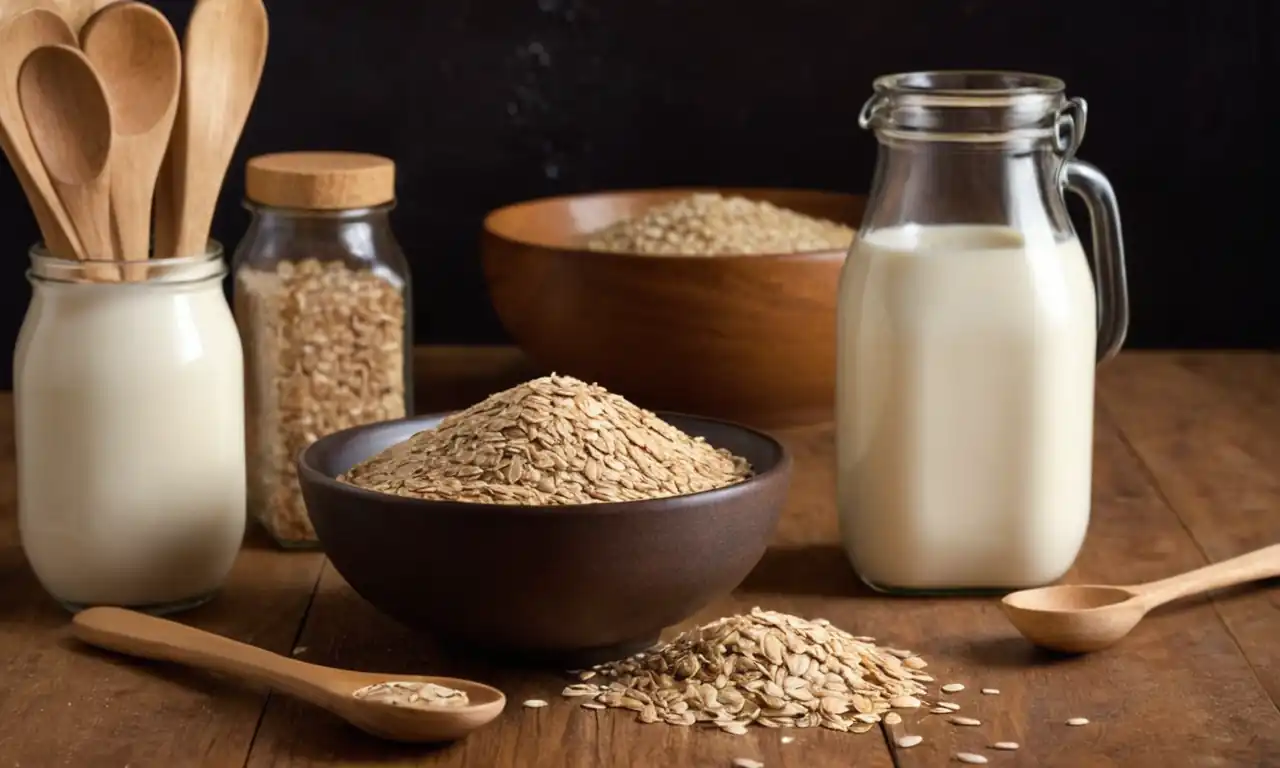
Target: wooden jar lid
(321,181)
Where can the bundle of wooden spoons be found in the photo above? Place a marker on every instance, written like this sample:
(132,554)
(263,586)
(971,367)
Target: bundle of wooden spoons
(105,118)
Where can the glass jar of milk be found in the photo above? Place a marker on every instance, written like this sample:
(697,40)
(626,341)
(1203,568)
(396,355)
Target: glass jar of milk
(969,329)
(128,395)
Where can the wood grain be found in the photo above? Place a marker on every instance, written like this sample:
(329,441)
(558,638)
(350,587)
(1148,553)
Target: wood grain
(1208,427)
(1187,471)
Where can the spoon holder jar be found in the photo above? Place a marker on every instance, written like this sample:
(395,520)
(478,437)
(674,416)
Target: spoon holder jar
(129,414)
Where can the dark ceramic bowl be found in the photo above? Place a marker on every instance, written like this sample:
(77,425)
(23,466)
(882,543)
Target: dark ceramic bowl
(570,585)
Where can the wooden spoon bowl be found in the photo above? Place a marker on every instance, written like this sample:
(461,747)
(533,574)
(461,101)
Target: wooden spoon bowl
(749,338)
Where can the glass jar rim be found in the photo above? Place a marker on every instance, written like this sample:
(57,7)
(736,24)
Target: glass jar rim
(47,268)
(972,83)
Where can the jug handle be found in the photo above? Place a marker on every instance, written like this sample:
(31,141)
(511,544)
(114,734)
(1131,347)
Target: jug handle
(1085,180)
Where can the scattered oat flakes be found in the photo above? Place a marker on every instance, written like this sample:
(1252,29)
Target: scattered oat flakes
(957,720)
(991,691)
(1078,721)
(910,740)
(764,668)
(535,703)
(1008,746)
(710,224)
(971,758)
(324,350)
(953,687)
(551,441)
(746,762)
(892,718)
(412,695)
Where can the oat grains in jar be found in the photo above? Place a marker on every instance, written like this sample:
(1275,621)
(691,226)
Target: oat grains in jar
(322,300)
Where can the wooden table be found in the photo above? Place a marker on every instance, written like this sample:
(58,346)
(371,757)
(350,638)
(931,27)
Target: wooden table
(1187,472)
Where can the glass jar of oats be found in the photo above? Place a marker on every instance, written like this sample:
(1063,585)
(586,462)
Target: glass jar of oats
(322,301)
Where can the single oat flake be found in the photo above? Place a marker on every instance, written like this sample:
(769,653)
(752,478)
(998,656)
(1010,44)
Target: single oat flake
(535,704)
(763,669)
(551,441)
(1078,721)
(910,740)
(971,758)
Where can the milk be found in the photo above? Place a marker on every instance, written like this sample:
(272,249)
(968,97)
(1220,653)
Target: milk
(964,407)
(130,438)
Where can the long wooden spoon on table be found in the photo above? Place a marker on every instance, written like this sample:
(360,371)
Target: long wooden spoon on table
(136,53)
(19,36)
(224,50)
(1079,618)
(333,689)
(67,113)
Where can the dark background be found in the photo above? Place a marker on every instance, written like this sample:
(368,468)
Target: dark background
(487,102)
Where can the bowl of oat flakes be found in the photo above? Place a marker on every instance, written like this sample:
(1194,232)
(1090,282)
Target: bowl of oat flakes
(718,302)
(555,521)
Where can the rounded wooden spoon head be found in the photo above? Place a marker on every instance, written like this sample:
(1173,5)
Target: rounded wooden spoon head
(406,724)
(67,113)
(1074,618)
(136,54)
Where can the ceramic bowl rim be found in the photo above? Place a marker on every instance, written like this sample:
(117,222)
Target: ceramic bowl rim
(308,471)
(825,254)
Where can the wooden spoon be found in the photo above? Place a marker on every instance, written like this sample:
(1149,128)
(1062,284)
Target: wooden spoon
(69,118)
(78,12)
(19,36)
(1079,618)
(137,634)
(224,50)
(136,53)
(11,8)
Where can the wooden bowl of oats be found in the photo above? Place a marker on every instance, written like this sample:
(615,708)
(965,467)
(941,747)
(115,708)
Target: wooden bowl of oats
(654,294)
(528,525)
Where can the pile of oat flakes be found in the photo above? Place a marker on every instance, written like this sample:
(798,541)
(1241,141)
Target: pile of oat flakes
(551,441)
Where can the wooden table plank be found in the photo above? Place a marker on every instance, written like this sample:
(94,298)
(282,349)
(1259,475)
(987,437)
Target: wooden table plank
(63,704)
(1156,699)
(1208,426)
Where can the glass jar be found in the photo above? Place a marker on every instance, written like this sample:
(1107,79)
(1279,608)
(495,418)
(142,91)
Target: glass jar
(969,329)
(322,299)
(129,415)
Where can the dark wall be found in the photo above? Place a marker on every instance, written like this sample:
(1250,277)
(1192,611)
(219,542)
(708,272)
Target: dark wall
(488,102)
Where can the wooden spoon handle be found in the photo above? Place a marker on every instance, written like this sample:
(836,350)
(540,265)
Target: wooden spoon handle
(1260,564)
(138,634)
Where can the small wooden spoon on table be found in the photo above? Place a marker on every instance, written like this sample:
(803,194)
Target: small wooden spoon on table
(137,634)
(224,50)
(69,118)
(136,54)
(21,34)
(1079,618)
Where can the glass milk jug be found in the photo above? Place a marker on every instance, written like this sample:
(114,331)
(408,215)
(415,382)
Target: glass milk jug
(969,330)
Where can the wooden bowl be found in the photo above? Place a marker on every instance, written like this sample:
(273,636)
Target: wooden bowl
(751,338)
(569,585)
